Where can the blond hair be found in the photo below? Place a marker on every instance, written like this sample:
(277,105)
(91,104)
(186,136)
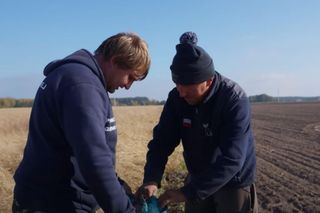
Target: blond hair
(129,51)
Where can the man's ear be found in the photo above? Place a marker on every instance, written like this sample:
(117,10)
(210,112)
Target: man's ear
(112,61)
(209,82)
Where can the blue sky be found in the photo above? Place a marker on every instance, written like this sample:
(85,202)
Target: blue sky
(267,46)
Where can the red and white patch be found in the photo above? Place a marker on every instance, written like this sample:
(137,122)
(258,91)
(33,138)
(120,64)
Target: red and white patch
(186,123)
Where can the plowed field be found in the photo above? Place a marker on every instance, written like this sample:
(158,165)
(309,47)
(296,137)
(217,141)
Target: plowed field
(288,149)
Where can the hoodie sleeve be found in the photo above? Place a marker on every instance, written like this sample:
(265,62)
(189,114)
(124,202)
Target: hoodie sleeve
(233,143)
(166,137)
(84,109)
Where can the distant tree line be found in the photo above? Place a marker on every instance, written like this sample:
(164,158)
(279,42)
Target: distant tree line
(12,102)
(285,99)
(138,101)
(262,98)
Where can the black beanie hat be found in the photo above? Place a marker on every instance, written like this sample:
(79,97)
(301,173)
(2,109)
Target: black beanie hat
(191,64)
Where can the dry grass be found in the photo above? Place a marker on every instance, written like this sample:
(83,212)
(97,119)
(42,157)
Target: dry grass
(134,132)
(13,132)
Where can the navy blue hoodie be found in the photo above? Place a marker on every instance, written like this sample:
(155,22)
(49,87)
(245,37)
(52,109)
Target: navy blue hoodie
(69,159)
(217,140)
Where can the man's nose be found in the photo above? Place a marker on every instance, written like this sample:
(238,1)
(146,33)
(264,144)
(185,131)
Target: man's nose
(128,85)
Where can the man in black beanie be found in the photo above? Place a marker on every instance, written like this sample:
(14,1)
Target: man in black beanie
(210,115)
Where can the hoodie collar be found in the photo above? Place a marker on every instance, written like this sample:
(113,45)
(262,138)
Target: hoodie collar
(83,57)
(214,88)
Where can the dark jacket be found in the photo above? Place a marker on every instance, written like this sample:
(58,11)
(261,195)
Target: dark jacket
(69,159)
(217,140)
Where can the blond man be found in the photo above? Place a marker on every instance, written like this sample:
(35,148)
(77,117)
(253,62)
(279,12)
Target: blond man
(69,159)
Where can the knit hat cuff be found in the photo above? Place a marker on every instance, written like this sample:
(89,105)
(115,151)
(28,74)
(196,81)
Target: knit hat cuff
(190,74)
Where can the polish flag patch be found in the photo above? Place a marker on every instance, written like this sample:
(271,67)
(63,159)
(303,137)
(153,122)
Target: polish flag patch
(186,123)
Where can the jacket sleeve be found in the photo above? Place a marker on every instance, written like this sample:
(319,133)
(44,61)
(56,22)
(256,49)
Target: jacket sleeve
(166,136)
(83,120)
(233,142)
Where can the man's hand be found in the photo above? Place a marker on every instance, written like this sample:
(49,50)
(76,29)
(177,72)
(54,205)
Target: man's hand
(146,190)
(171,196)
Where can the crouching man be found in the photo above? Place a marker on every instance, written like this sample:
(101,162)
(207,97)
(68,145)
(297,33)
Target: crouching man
(210,115)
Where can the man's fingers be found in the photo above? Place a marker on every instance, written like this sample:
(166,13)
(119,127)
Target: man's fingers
(145,191)
(149,193)
(164,203)
(163,200)
(140,194)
